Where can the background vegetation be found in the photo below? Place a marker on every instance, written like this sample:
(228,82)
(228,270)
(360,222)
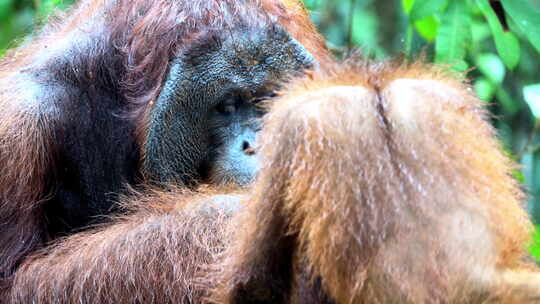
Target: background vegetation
(496,42)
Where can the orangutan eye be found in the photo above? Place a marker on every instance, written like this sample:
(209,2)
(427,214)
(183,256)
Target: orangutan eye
(230,105)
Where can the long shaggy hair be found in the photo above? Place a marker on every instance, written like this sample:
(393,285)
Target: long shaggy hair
(382,183)
(119,48)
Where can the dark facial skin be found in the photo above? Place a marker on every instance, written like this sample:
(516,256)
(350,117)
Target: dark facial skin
(204,124)
(233,128)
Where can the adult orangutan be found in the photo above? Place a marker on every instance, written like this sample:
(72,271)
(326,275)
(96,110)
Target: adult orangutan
(129,91)
(380,183)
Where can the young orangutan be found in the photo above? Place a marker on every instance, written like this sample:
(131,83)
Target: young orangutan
(381,183)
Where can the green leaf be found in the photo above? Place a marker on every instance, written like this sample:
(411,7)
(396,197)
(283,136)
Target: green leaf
(484,88)
(6,7)
(518,175)
(508,47)
(507,102)
(454,35)
(506,43)
(526,15)
(425,8)
(535,247)
(480,31)
(531,94)
(492,67)
(407,5)
(427,28)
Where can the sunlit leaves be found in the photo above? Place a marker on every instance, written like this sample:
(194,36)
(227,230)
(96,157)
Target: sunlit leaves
(427,28)
(18,18)
(494,71)
(531,94)
(423,9)
(480,31)
(491,66)
(484,88)
(454,36)
(526,15)
(506,42)
(407,5)
(535,247)
(421,16)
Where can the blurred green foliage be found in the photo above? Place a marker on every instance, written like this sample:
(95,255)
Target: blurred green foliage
(19,17)
(535,247)
(497,42)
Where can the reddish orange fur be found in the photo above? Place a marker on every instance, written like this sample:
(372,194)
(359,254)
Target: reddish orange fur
(383,183)
(147,33)
(151,256)
(25,156)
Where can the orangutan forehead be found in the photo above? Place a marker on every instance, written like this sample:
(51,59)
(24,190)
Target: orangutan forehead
(197,14)
(244,42)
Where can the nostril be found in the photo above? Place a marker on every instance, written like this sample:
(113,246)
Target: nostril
(246,147)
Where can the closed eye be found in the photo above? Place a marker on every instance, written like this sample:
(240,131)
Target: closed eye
(230,105)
